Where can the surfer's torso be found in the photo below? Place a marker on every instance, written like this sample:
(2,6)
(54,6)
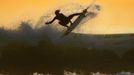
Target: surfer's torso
(62,19)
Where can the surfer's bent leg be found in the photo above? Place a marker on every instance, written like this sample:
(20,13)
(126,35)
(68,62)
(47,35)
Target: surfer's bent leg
(71,16)
(65,25)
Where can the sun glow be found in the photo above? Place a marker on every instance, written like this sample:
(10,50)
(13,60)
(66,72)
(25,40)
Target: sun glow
(116,16)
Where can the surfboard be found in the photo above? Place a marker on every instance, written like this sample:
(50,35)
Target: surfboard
(78,21)
(75,24)
(80,18)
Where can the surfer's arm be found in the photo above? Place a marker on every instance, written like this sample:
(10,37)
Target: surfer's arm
(51,21)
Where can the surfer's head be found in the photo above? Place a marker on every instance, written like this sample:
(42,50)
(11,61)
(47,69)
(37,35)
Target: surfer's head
(57,12)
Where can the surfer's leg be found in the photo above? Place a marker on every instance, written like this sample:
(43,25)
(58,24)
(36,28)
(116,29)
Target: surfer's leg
(65,25)
(71,16)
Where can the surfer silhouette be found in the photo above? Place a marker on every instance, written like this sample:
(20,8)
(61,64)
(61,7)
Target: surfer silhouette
(64,20)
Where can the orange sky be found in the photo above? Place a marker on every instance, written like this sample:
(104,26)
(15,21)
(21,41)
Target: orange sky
(116,16)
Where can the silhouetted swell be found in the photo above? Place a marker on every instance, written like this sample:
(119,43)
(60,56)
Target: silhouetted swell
(29,50)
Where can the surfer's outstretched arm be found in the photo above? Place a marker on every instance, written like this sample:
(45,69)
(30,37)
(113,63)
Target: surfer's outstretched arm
(51,21)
